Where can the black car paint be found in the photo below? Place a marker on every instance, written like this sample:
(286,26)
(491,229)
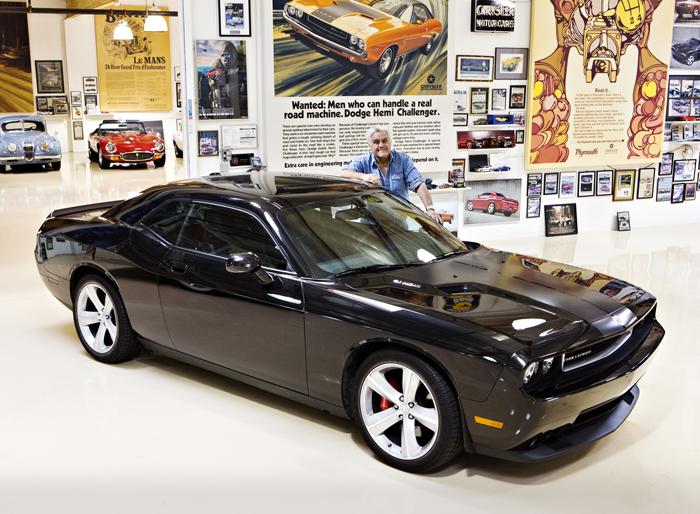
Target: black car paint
(302,336)
(690,48)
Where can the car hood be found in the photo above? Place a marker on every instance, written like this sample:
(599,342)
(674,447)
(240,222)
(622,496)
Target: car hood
(356,18)
(24,136)
(530,300)
(684,47)
(130,139)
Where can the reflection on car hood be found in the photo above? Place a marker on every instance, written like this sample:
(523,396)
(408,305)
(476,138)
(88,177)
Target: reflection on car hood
(144,139)
(525,298)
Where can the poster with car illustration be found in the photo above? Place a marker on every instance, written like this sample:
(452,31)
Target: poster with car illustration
(492,201)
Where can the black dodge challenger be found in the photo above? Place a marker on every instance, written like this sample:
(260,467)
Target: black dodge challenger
(349,299)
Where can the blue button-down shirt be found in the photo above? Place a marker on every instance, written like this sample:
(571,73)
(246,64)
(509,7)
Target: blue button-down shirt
(400,174)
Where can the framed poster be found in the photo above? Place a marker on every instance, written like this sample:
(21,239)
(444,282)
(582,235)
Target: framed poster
(222,83)
(76,98)
(60,108)
(460,120)
(624,185)
(534,184)
(498,99)
(645,183)
(492,201)
(517,97)
(234,17)
(208,142)
(45,104)
(551,183)
(623,221)
(460,99)
(560,220)
(663,189)
(520,136)
(90,104)
(604,183)
(456,174)
(568,185)
(678,193)
(49,76)
(684,169)
(666,164)
(78,130)
(533,206)
(474,68)
(178,92)
(90,85)
(690,189)
(479,98)
(77,112)
(511,64)
(586,181)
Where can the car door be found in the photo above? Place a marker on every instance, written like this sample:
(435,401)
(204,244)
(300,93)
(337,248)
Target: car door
(235,320)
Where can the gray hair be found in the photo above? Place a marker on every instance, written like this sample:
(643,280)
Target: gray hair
(377,128)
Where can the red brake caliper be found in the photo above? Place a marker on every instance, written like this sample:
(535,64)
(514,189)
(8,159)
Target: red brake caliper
(386,403)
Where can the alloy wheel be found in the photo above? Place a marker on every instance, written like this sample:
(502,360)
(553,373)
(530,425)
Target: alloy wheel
(96,318)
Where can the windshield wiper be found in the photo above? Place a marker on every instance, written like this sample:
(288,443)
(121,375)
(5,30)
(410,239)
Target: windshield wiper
(450,254)
(374,267)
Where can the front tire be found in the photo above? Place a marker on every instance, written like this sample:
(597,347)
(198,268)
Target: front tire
(382,68)
(104,163)
(178,152)
(690,60)
(101,321)
(406,411)
(56,166)
(159,163)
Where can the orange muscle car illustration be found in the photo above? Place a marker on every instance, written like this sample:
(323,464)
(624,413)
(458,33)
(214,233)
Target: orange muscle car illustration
(374,35)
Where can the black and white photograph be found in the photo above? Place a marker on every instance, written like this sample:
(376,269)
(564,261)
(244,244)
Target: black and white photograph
(645,183)
(560,220)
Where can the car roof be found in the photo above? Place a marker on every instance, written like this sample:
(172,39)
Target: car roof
(9,119)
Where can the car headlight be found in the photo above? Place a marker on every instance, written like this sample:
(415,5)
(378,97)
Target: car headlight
(299,13)
(291,9)
(547,365)
(110,147)
(529,372)
(12,147)
(44,146)
(353,40)
(159,146)
(361,44)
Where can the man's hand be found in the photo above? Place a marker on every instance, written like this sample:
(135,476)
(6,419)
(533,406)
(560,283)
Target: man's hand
(371,178)
(435,215)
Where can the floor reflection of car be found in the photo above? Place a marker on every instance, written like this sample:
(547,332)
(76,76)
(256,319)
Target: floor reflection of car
(492,203)
(24,142)
(686,53)
(373,35)
(342,297)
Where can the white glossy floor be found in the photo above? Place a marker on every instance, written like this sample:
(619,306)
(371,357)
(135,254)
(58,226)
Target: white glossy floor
(157,436)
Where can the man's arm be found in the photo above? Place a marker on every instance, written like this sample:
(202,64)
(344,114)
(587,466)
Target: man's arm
(369,178)
(424,196)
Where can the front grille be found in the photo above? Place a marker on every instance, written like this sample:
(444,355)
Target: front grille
(594,352)
(28,148)
(137,156)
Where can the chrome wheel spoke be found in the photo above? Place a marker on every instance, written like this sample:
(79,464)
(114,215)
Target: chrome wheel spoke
(92,294)
(411,382)
(379,422)
(99,342)
(97,322)
(86,318)
(377,383)
(111,328)
(109,307)
(409,444)
(427,417)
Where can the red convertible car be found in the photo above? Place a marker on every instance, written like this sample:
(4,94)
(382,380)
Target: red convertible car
(125,142)
(493,203)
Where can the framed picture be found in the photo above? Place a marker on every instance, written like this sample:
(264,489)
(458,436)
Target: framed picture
(60,108)
(460,99)
(663,189)
(666,164)
(176,73)
(475,68)
(623,221)
(586,181)
(678,192)
(78,130)
(624,185)
(234,17)
(49,76)
(518,118)
(678,107)
(208,142)
(90,85)
(90,104)
(567,188)
(645,183)
(511,64)
(551,183)
(603,183)
(498,99)
(479,98)
(560,220)
(517,97)
(534,185)
(45,104)
(520,136)
(77,112)
(533,206)
(690,189)
(178,92)
(460,120)
(684,169)
(76,98)
(220,95)
(456,174)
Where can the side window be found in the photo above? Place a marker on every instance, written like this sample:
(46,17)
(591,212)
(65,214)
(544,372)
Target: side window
(168,221)
(419,14)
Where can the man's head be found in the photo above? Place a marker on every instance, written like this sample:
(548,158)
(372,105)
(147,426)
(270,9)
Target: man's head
(229,55)
(379,141)
(229,8)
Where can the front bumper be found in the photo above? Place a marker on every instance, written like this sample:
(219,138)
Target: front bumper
(37,159)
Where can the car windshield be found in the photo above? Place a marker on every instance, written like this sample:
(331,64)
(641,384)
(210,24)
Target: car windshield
(393,7)
(122,128)
(350,233)
(23,126)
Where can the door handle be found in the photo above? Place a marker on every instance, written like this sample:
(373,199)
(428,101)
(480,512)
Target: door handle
(177,267)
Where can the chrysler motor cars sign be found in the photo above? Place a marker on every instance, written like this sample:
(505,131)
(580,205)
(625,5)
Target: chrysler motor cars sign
(493,16)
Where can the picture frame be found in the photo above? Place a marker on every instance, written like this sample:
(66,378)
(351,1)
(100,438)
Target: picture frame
(586,183)
(45,104)
(178,94)
(511,64)
(519,137)
(460,120)
(645,183)
(567,185)
(61,108)
(78,130)
(460,102)
(473,68)
(604,183)
(684,170)
(623,189)
(479,100)
(517,97)
(49,76)
(534,205)
(76,98)
(560,220)
(498,99)
(678,192)
(663,189)
(690,191)
(666,164)
(76,112)
(90,85)
(534,184)
(234,18)
(456,173)
(551,183)
(176,74)
(623,221)
(90,104)
(207,143)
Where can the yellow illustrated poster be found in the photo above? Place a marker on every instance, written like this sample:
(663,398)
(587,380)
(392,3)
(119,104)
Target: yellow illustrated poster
(134,75)
(597,82)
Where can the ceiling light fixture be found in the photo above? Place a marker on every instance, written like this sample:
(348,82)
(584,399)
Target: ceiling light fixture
(122,32)
(154,22)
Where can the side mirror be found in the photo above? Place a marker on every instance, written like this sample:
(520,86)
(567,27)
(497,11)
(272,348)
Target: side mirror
(247,263)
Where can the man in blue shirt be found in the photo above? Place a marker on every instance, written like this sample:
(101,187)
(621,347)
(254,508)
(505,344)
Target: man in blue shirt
(394,170)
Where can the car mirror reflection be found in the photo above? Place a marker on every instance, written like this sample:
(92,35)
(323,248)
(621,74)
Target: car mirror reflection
(247,263)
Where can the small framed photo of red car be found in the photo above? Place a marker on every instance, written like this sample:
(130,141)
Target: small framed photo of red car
(534,184)
(208,142)
(534,204)
(457,172)
(234,18)
(624,185)
(560,220)
(475,68)
(567,187)
(551,183)
(603,183)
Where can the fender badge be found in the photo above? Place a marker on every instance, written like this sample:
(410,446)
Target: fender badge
(617,319)
(407,284)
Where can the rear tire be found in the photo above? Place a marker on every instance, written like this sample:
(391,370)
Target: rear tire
(492,208)
(428,46)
